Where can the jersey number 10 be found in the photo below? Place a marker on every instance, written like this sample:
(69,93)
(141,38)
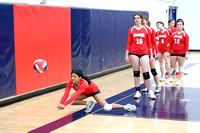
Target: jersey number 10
(177,41)
(139,41)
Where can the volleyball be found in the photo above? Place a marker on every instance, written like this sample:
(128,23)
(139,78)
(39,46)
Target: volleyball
(40,65)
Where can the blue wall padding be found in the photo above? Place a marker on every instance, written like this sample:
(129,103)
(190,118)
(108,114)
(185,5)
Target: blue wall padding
(96,41)
(76,39)
(99,38)
(86,47)
(7,54)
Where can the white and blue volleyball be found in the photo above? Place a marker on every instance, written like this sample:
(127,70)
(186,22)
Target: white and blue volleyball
(40,65)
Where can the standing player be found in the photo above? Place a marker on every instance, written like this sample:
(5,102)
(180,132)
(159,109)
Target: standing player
(179,50)
(85,88)
(147,23)
(164,36)
(137,49)
(171,24)
(172,28)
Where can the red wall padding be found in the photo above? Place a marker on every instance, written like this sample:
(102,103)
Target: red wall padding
(41,32)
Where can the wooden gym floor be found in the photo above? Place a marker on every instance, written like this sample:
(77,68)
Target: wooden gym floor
(176,109)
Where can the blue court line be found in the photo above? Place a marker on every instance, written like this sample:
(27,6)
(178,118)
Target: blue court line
(97,109)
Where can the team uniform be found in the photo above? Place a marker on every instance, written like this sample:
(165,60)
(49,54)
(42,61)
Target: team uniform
(180,43)
(88,90)
(154,52)
(164,40)
(179,47)
(173,30)
(153,42)
(139,44)
(175,71)
(82,88)
(139,41)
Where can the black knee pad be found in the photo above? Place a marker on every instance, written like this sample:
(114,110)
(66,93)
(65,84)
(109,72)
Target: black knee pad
(153,71)
(146,75)
(136,73)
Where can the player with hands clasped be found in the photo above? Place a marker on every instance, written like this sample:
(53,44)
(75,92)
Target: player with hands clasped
(137,52)
(179,51)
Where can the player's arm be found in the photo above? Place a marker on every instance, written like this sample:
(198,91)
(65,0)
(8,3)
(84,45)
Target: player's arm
(171,45)
(186,45)
(170,39)
(154,44)
(65,96)
(149,44)
(128,46)
(80,90)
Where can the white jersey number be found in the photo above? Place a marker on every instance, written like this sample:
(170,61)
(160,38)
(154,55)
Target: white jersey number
(177,41)
(162,41)
(139,41)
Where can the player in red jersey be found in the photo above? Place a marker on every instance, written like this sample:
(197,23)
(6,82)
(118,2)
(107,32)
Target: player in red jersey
(137,49)
(179,50)
(147,23)
(85,88)
(164,36)
(171,24)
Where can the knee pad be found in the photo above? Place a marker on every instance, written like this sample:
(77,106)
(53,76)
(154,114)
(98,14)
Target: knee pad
(170,70)
(68,99)
(146,75)
(167,66)
(136,73)
(161,64)
(181,68)
(107,107)
(153,71)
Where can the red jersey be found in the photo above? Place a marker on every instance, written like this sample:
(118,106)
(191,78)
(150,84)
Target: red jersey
(173,30)
(82,88)
(153,42)
(139,41)
(180,43)
(164,40)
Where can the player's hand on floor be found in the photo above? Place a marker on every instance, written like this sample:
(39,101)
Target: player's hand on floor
(60,106)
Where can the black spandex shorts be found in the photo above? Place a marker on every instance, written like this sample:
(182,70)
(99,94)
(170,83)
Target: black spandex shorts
(139,56)
(153,56)
(97,92)
(182,55)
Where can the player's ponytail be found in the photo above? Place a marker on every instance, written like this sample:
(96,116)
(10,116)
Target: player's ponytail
(80,74)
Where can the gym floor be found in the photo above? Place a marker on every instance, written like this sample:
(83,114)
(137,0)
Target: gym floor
(176,109)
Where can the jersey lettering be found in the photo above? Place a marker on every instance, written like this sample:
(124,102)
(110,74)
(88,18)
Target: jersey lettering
(138,35)
(163,36)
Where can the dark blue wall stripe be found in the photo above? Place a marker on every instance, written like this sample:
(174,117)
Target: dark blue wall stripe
(76,39)
(7,56)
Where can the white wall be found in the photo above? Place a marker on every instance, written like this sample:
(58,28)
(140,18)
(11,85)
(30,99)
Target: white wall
(188,10)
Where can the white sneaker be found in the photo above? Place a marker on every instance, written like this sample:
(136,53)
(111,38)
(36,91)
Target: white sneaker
(167,81)
(145,89)
(152,96)
(178,83)
(171,79)
(130,107)
(137,94)
(157,90)
(90,107)
(162,79)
